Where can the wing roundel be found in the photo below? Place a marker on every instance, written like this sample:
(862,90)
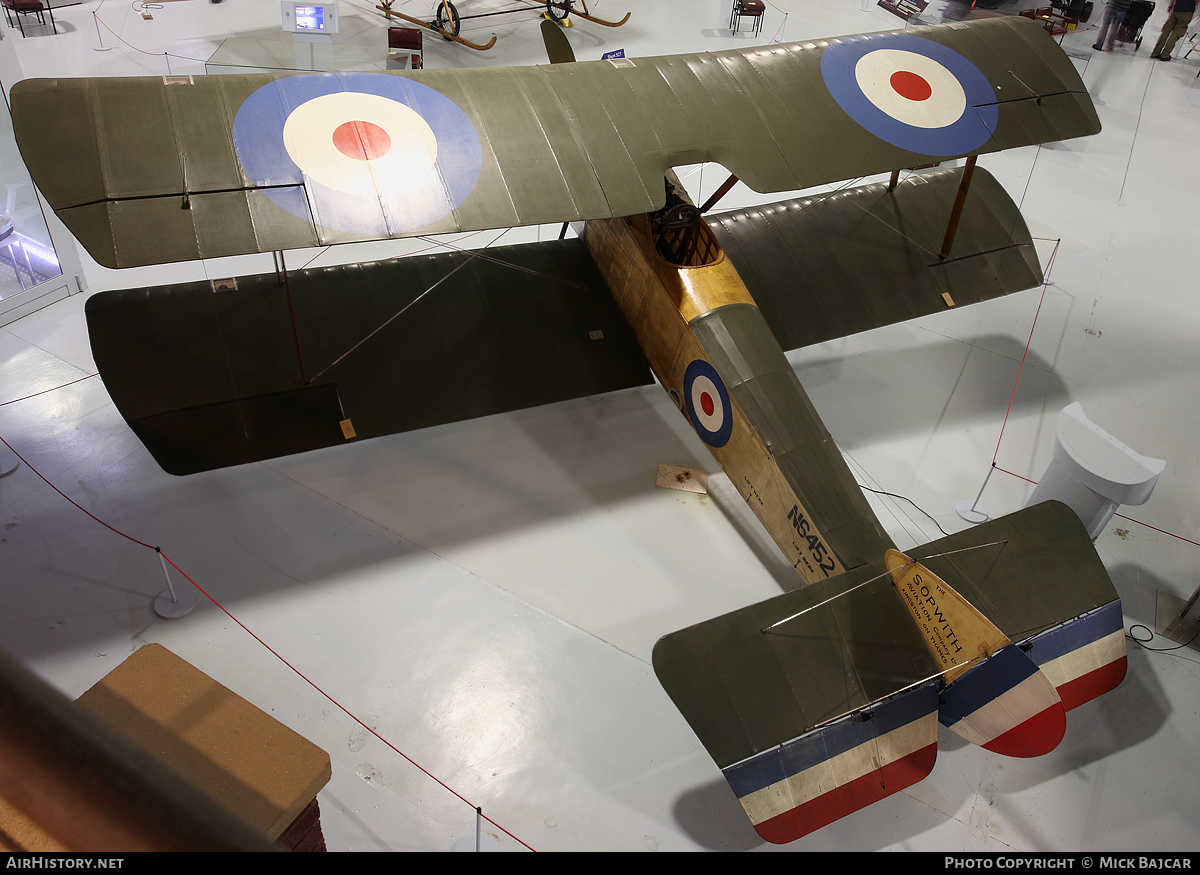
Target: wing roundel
(912,92)
(361,153)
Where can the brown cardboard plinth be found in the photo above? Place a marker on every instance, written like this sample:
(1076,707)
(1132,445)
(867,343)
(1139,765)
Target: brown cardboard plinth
(238,755)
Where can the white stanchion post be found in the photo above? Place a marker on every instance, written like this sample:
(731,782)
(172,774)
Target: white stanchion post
(102,47)
(970,510)
(168,604)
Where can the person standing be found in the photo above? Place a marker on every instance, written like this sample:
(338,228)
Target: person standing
(1114,14)
(1179,13)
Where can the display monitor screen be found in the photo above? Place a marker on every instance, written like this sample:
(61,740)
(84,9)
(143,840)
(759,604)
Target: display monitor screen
(313,19)
(310,18)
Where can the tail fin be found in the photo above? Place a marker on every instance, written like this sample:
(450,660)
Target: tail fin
(996,697)
(558,49)
(1006,705)
(1016,703)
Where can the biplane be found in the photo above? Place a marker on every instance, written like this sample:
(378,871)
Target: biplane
(447,22)
(814,703)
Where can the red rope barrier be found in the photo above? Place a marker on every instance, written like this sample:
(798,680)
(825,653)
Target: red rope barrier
(96,16)
(1018,476)
(68,498)
(1157,529)
(1121,515)
(270,649)
(341,707)
(1045,285)
(1025,355)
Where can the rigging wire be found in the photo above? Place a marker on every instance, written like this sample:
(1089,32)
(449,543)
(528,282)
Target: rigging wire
(404,309)
(886,572)
(434,244)
(896,513)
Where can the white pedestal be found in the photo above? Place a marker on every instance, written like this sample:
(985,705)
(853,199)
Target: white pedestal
(1093,473)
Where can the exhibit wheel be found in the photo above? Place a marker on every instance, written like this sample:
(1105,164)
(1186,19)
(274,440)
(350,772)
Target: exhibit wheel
(446,17)
(558,9)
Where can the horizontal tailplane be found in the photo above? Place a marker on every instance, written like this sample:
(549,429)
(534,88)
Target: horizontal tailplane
(818,702)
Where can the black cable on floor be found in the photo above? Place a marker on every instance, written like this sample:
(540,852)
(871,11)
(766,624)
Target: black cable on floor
(910,501)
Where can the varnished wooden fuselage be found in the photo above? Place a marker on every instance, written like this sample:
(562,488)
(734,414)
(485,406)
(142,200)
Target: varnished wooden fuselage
(777,454)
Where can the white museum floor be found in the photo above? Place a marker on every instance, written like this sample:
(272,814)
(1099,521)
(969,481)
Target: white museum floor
(486,595)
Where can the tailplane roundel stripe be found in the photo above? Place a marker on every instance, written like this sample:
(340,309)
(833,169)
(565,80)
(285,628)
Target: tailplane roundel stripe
(799,786)
(849,797)
(1084,657)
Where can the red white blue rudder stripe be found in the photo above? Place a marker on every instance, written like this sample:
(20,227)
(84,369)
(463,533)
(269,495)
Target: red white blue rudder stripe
(912,92)
(364,153)
(836,769)
(1005,704)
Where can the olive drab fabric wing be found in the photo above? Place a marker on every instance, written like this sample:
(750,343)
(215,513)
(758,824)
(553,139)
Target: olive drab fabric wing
(161,169)
(207,374)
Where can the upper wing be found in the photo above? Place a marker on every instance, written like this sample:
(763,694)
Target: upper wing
(160,169)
